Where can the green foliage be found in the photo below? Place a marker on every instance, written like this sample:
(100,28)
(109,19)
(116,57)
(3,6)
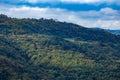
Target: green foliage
(50,27)
(32,49)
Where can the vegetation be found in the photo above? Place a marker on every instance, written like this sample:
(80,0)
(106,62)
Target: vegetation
(42,49)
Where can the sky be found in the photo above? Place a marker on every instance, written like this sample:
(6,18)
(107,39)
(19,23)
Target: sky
(88,13)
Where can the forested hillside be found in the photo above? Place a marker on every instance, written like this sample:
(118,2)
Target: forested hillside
(45,49)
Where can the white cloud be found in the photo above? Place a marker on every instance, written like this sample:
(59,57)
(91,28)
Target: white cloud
(33,1)
(81,1)
(90,1)
(75,1)
(105,18)
(108,11)
(108,24)
(63,1)
(40,1)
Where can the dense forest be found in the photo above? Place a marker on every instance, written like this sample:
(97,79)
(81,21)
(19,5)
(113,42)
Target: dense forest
(46,49)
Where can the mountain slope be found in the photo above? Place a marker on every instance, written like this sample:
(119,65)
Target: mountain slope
(50,27)
(32,49)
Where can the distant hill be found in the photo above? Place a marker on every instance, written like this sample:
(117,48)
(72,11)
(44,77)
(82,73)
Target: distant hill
(117,32)
(46,49)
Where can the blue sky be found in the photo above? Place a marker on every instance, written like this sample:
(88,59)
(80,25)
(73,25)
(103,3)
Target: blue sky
(88,13)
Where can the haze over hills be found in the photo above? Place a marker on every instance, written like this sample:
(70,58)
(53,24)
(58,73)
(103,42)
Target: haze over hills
(36,49)
(117,32)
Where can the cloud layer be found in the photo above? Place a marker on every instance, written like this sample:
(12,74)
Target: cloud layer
(104,18)
(64,1)
(76,1)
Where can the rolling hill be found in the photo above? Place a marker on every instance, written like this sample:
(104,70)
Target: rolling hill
(43,49)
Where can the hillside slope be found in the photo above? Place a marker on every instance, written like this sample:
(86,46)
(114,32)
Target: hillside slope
(32,49)
(51,27)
